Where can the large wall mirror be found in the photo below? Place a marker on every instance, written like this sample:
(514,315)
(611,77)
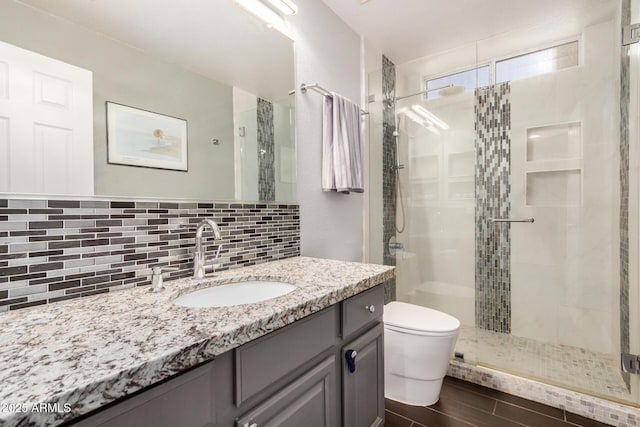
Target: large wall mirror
(144,98)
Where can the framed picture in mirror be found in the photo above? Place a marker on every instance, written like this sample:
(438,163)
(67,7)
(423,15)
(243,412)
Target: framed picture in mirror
(143,138)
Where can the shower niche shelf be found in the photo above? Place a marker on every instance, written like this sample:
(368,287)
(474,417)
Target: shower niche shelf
(424,191)
(461,188)
(557,141)
(554,165)
(461,164)
(425,167)
(554,188)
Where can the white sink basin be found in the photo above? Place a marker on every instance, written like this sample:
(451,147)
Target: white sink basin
(248,292)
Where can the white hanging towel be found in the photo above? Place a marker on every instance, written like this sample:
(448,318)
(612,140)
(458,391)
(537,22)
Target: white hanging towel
(341,146)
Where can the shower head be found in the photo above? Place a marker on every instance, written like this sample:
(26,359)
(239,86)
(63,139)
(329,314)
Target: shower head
(451,90)
(389,102)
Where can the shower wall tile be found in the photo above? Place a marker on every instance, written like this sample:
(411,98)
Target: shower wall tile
(83,248)
(266,151)
(388,171)
(492,188)
(624,189)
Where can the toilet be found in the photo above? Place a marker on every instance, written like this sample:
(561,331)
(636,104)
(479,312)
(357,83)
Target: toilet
(418,344)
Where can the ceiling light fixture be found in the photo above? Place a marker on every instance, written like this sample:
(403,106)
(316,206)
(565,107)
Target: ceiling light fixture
(285,6)
(428,115)
(413,116)
(265,13)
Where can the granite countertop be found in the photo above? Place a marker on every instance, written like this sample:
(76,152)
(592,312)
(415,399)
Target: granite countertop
(81,354)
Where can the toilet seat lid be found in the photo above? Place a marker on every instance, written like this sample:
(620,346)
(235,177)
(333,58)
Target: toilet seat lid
(418,318)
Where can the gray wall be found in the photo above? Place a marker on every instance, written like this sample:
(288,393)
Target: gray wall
(327,51)
(128,76)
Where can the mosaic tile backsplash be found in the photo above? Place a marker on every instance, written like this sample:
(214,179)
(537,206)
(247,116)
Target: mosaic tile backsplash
(493,189)
(54,250)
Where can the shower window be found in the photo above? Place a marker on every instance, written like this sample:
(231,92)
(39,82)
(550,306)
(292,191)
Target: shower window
(530,64)
(538,62)
(469,79)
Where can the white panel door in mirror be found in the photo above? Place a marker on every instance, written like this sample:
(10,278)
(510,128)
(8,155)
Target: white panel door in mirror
(51,91)
(47,119)
(4,80)
(4,153)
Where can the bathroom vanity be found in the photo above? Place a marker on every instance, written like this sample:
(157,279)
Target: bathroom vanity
(297,375)
(279,362)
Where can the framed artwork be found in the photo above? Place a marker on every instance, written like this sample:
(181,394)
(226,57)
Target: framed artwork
(138,137)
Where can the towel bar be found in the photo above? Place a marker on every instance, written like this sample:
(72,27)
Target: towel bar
(319,89)
(511,219)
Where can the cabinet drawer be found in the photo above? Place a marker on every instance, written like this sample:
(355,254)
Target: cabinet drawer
(356,311)
(308,401)
(264,361)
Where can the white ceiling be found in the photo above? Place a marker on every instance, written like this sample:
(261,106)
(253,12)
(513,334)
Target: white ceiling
(409,29)
(215,38)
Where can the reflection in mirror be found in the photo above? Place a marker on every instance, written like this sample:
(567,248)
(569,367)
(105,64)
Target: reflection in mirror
(210,65)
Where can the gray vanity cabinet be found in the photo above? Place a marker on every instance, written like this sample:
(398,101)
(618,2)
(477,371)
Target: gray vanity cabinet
(310,400)
(294,376)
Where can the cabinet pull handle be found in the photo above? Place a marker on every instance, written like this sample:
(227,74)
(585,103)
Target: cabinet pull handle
(370,308)
(350,357)
(250,425)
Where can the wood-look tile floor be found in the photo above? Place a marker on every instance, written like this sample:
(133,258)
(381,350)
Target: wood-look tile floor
(464,404)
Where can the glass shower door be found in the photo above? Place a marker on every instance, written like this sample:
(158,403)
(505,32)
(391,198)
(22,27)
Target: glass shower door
(562,193)
(436,267)
(630,118)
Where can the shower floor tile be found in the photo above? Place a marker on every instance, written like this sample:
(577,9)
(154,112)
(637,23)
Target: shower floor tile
(589,372)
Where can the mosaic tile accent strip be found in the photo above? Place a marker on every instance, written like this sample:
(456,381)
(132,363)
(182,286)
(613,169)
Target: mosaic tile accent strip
(601,410)
(388,172)
(54,250)
(493,241)
(266,152)
(625,99)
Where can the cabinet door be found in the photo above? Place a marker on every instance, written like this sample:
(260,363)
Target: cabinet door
(283,351)
(363,389)
(186,401)
(308,401)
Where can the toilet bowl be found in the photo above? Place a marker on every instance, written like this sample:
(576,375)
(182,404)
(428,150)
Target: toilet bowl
(418,344)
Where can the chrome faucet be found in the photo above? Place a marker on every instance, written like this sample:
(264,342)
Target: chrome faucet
(199,258)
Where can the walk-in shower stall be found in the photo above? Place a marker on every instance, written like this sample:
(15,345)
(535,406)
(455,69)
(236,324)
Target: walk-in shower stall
(516,190)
